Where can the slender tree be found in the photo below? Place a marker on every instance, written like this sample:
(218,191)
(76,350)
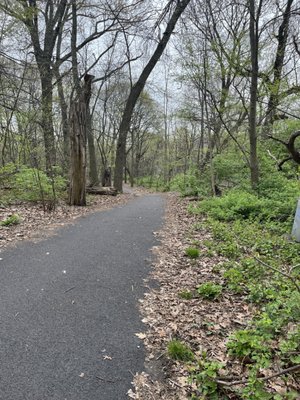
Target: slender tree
(137,89)
(254,41)
(282,38)
(43,45)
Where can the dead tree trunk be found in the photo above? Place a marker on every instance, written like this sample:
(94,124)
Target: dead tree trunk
(78,139)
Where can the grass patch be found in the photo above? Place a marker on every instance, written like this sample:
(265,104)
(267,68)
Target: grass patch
(179,351)
(192,252)
(209,290)
(13,219)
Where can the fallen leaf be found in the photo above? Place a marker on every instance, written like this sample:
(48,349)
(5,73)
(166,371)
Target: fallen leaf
(141,336)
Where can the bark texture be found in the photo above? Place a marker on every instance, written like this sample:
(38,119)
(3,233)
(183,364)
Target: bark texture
(78,138)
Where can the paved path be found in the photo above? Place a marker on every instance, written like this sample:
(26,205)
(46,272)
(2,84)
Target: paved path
(68,307)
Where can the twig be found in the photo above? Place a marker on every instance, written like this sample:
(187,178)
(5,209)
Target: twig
(294,267)
(160,356)
(267,378)
(276,139)
(175,383)
(280,272)
(69,290)
(272,156)
(105,380)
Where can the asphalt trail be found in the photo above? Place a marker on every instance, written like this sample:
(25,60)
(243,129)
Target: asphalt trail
(68,307)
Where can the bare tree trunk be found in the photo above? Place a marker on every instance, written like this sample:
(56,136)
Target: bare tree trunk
(254,37)
(47,118)
(282,37)
(78,138)
(166,128)
(65,122)
(93,171)
(43,56)
(136,91)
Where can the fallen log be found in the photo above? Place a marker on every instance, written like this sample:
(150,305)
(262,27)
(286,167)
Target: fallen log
(108,191)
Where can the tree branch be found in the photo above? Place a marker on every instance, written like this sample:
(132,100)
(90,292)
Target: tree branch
(267,378)
(288,276)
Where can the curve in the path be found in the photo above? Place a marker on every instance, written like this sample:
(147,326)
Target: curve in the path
(69,307)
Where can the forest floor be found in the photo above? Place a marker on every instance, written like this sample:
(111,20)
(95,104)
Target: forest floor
(36,224)
(203,325)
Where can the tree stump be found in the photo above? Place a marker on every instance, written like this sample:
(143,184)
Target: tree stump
(106,178)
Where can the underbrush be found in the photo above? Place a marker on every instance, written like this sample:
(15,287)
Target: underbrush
(261,264)
(153,182)
(187,184)
(21,183)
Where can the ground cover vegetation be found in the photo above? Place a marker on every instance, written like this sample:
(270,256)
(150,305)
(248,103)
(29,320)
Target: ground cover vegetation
(262,265)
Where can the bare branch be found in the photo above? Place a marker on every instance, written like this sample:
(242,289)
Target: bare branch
(286,275)
(267,378)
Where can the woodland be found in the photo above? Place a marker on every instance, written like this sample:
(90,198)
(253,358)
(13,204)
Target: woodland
(197,97)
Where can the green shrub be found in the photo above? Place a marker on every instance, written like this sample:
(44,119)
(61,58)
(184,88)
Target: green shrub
(252,229)
(34,185)
(191,183)
(14,219)
(249,344)
(235,279)
(259,293)
(278,206)
(209,290)
(205,377)
(31,184)
(186,184)
(179,351)
(232,206)
(290,346)
(192,252)
(228,249)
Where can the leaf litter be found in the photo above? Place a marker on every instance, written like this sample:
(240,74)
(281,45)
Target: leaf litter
(201,324)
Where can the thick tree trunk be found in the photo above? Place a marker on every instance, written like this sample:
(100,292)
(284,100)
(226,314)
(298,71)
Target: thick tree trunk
(78,139)
(78,154)
(136,91)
